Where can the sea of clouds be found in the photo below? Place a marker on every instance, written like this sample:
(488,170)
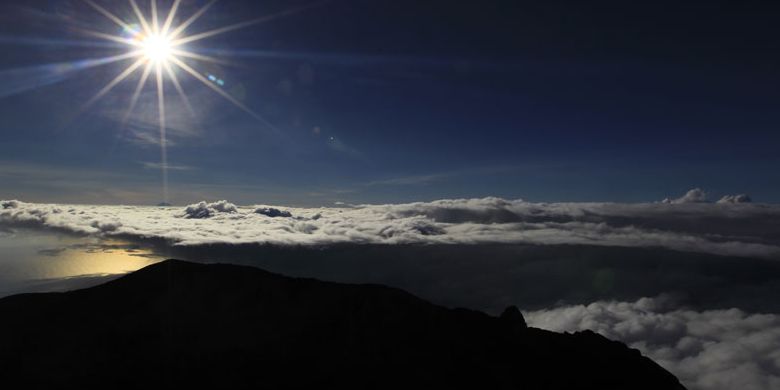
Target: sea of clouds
(706,350)
(728,227)
(473,253)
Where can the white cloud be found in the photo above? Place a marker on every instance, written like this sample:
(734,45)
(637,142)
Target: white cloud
(741,198)
(206,210)
(730,229)
(706,350)
(696,195)
(106,226)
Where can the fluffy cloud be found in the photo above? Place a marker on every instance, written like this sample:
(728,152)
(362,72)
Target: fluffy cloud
(273,212)
(707,350)
(106,226)
(9,204)
(751,230)
(741,198)
(205,210)
(696,195)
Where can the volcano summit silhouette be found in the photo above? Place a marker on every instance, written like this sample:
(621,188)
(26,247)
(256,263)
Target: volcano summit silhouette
(225,326)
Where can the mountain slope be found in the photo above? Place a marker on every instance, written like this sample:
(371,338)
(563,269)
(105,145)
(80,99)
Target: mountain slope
(186,324)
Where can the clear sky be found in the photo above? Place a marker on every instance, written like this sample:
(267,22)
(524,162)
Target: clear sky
(401,100)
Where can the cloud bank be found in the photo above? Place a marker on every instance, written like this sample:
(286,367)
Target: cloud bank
(727,228)
(706,350)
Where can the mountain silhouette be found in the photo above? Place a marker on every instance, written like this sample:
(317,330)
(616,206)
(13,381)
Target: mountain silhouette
(225,326)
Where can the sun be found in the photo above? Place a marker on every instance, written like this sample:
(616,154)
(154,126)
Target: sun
(157,48)
(156,45)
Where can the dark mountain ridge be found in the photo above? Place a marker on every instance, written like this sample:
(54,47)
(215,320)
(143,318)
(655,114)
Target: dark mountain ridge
(227,326)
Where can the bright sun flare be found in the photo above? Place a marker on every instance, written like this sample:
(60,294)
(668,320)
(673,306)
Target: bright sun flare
(157,48)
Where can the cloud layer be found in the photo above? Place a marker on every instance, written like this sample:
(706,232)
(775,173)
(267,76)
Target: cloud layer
(706,350)
(751,230)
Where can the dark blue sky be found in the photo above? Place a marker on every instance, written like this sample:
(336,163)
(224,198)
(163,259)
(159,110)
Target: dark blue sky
(390,101)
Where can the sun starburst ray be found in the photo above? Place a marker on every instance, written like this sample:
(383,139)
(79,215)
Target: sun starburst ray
(191,20)
(109,37)
(155,25)
(57,42)
(137,92)
(33,77)
(222,93)
(84,64)
(141,18)
(196,56)
(118,79)
(108,14)
(163,148)
(159,44)
(171,14)
(179,89)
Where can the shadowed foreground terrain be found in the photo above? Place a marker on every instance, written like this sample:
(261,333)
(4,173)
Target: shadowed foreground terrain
(227,326)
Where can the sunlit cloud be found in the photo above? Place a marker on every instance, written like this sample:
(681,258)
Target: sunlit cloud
(736,229)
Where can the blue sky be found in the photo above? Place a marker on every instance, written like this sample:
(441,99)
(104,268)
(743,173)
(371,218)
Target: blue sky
(393,101)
